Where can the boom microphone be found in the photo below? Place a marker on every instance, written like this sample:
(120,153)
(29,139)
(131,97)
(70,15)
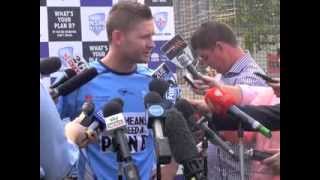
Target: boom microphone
(183,146)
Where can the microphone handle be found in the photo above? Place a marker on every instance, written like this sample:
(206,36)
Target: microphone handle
(195,74)
(93,127)
(123,145)
(214,138)
(248,119)
(257,155)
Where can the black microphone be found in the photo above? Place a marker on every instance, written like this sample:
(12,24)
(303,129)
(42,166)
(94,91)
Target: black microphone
(156,116)
(223,103)
(257,155)
(49,65)
(97,121)
(188,112)
(183,146)
(67,74)
(87,110)
(161,87)
(116,126)
(74,83)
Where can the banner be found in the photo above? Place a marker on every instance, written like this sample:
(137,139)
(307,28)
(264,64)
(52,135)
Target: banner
(76,29)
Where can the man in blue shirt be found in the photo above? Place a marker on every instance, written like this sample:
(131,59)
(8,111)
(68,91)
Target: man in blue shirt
(57,155)
(122,73)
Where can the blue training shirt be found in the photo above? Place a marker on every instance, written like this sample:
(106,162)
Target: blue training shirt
(131,88)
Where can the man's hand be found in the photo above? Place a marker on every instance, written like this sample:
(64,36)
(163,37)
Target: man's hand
(200,105)
(77,133)
(276,87)
(274,161)
(204,83)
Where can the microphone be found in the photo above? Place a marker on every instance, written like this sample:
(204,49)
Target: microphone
(116,126)
(257,155)
(74,83)
(168,92)
(156,114)
(87,110)
(164,72)
(160,86)
(186,61)
(67,74)
(188,112)
(178,51)
(97,121)
(223,103)
(49,65)
(183,146)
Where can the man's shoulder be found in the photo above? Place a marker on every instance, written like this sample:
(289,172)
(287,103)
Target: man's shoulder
(97,65)
(143,69)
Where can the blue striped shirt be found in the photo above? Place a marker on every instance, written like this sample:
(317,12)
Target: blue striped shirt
(220,165)
(242,72)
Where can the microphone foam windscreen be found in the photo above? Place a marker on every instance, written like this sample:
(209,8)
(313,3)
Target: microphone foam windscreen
(118,100)
(70,73)
(185,108)
(88,108)
(77,81)
(152,98)
(182,144)
(112,108)
(159,85)
(188,112)
(50,65)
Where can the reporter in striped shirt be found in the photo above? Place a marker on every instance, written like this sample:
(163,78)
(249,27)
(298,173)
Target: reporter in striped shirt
(217,47)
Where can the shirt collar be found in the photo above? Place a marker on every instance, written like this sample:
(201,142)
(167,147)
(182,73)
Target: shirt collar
(241,63)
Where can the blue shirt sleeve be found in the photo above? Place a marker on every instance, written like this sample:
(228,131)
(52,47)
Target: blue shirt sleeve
(57,155)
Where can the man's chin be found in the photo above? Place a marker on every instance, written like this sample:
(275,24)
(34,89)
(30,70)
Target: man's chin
(143,60)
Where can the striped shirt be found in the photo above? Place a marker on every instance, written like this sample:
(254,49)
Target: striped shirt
(242,72)
(220,165)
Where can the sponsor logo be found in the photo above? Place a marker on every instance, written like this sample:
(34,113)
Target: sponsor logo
(161,19)
(97,23)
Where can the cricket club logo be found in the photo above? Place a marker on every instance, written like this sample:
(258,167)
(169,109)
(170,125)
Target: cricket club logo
(161,19)
(97,23)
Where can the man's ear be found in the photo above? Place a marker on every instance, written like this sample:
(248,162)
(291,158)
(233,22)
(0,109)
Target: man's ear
(117,37)
(219,45)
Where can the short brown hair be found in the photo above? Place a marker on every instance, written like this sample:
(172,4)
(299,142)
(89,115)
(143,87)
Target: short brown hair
(125,14)
(211,32)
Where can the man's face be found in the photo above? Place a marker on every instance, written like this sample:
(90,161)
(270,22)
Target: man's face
(137,43)
(212,57)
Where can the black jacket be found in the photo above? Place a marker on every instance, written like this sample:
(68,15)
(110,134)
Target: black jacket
(269,116)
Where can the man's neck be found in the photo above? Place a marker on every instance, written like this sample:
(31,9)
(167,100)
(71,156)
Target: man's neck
(115,61)
(234,56)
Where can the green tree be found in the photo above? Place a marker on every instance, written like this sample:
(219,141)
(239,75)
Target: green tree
(258,21)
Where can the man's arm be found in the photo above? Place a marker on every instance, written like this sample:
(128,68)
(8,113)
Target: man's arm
(57,155)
